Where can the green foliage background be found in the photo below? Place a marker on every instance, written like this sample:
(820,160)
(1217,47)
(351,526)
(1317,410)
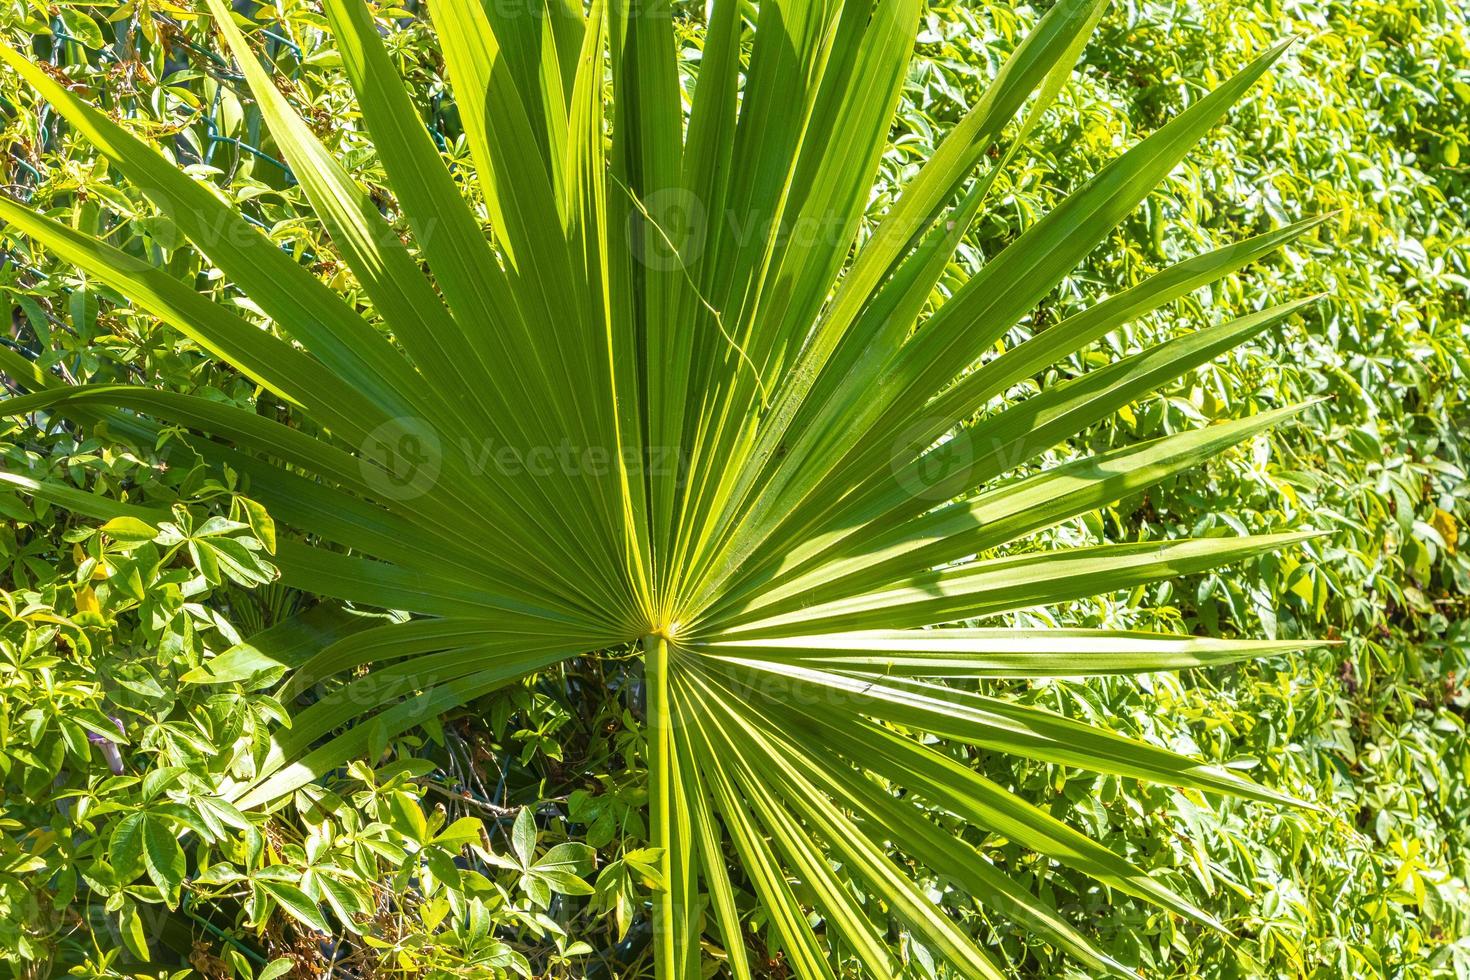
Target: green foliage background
(1368,117)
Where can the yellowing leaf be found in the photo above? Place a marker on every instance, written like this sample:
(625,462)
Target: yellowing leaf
(1444,522)
(261,523)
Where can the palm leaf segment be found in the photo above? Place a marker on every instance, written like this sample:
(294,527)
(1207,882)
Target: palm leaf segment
(717,425)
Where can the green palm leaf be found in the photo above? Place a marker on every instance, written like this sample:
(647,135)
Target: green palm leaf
(748,449)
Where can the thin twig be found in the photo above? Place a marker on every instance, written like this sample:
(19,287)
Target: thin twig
(719,320)
(464,797)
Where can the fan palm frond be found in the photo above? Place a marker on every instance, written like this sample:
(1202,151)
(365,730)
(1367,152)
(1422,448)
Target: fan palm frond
(739,427)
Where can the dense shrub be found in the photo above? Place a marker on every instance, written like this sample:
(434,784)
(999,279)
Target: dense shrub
(1366,117)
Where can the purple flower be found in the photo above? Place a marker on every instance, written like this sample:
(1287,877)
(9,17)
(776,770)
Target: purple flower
(109,747)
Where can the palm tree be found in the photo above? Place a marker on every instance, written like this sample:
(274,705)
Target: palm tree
(727,421)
